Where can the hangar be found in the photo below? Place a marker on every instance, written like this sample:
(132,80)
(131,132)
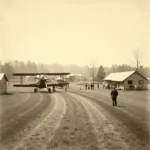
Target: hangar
(3,83)
(127,80)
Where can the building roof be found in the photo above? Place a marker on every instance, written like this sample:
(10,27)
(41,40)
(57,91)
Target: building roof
(3,75)
(119,76)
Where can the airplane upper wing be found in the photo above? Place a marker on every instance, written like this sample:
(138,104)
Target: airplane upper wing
(25,85)
(34,74)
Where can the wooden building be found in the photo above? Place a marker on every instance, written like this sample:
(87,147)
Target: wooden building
(127,80)
(3,83)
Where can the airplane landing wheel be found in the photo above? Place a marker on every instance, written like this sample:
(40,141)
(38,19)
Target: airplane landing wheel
(35,90)
(49,90)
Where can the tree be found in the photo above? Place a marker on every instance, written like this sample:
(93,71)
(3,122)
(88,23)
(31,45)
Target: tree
(92,69)
(8,69)
(101,73)
(137,58)
(42,68)
(31,67)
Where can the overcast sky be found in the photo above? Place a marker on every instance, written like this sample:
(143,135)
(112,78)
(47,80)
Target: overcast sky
(75,31)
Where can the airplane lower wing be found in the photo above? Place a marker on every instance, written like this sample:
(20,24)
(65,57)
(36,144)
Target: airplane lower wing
(58,84)
(34,85)
(25,85)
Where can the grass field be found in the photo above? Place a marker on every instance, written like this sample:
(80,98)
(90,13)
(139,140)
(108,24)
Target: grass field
(78,119)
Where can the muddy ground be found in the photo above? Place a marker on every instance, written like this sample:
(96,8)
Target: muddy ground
(78,119)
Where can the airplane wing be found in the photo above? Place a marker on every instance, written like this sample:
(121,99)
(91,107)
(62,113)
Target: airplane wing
(34,85)
(57,84)
(34,74)
(25,85)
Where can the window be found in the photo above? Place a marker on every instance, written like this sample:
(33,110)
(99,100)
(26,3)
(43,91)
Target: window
(129,81)
(141,82)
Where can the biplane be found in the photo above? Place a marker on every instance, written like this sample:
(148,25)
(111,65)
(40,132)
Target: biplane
(42,81)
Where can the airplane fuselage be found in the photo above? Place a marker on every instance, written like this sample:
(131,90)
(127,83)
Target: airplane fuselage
(41,84)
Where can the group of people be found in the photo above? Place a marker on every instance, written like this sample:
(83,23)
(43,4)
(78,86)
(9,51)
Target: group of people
(109,86)
(90,86)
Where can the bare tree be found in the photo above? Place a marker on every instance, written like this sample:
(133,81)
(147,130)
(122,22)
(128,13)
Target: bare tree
(92,68)
(137,55)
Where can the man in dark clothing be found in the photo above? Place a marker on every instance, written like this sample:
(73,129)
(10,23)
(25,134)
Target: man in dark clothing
(114,94)
(91,86)
(86,86)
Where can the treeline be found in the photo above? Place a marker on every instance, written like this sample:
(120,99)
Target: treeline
(19,66)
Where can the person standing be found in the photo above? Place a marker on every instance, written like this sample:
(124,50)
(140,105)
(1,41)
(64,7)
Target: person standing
(114,94)
(91,86)
(86,86)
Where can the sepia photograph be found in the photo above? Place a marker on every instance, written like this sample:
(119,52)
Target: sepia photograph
(74,74)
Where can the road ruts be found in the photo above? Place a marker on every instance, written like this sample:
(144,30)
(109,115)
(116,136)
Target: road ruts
(134,132)
(21,121)
(42,133)
(75,131)
(8,102)
(132,102)
(17,112)
(106,133)
(137,110)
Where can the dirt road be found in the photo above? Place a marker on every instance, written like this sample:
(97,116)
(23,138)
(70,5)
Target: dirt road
(74,120)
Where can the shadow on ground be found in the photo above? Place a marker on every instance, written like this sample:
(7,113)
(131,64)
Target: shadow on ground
(9,93)
(120,106)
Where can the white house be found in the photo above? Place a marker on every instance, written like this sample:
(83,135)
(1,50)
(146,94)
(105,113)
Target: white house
(3,83)
(127,80)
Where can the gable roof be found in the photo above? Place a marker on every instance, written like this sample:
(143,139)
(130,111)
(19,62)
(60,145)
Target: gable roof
(121,76)
(3,75)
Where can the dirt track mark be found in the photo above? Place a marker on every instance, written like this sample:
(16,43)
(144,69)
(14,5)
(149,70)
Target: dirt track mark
(134,132)
(21,111)
(42,134)
(14,120)
(128,110)
(106,133)
(16,130)
(8,102)
(75,131)
(122,97)
(21,102)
